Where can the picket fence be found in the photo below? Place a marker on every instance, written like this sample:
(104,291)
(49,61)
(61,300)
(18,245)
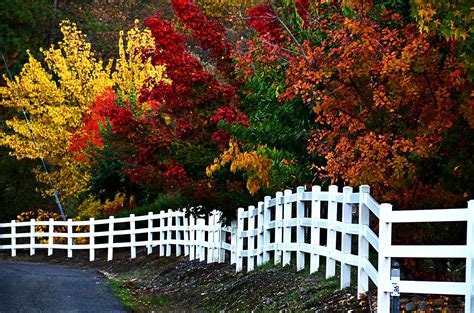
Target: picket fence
(305,226)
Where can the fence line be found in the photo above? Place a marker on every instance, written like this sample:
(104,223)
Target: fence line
(306,226)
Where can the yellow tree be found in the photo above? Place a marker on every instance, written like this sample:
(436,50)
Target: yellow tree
(55,94)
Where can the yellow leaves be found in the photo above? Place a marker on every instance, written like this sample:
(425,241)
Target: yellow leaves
(452,19)
(256,166)
(133,70)
(56,93)
(425,12)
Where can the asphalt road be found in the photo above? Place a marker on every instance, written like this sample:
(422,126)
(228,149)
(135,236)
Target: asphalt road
(33,287)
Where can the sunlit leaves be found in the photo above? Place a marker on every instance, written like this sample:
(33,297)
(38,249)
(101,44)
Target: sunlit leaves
(56,93)
(256,166)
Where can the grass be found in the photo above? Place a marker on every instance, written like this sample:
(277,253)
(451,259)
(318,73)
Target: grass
(125,295)
(264,267)
(133,300)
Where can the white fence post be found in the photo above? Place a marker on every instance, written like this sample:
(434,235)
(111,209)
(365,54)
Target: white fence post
(217,237)
(299,228)
(363,244)
(162,241)
(469,297)
(149,244)
(266,229)
(169,233)
(331,233)
(201,235)
(233,241)
(346,243)
(192,238)
(260,232)
(92,239)
(240,240)
(133,238)
(13,238)
(179,248)
(315,230)
(278,227)
(50,236)
(187,236)
(210,238)
(69,238)
(251,239)
(384,262)
(287,208)
(110,246)
(32,236)
(221,234)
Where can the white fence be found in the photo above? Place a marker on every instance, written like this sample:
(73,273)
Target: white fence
(306,226)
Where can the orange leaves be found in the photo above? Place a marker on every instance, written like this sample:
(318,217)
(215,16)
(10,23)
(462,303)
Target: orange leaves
(386,97)
(256,166)
(358,5)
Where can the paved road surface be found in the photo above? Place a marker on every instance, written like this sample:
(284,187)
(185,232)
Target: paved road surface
(32,287)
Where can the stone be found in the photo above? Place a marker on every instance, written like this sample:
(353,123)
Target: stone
(422,305)
(410,306)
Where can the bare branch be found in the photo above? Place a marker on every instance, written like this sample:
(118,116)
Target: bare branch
(292,36)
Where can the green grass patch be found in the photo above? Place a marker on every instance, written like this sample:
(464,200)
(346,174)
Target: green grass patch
(126,296)
(133,300)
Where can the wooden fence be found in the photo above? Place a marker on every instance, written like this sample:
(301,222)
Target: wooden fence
(309,227)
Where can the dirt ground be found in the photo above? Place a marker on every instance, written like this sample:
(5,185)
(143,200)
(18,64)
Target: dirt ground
(164,284)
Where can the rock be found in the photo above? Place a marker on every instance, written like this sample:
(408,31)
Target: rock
(422,305)
(410,306)
(267,301)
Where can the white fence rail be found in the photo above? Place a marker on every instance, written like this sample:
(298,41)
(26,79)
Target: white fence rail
(305,226)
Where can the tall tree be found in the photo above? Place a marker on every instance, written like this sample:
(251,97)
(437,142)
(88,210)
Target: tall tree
(55,103)
(390,102)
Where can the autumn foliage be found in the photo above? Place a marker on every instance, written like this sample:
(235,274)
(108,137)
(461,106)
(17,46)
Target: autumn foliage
(55,94)
(342,92)
(388,100)
(160,139)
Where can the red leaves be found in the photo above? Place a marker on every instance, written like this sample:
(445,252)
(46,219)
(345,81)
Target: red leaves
(230,115)
(175,177)
(191,86)
(264,20)
(89,136)
(209,34)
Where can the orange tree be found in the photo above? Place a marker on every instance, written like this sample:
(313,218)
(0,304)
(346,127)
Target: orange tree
(393,106)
